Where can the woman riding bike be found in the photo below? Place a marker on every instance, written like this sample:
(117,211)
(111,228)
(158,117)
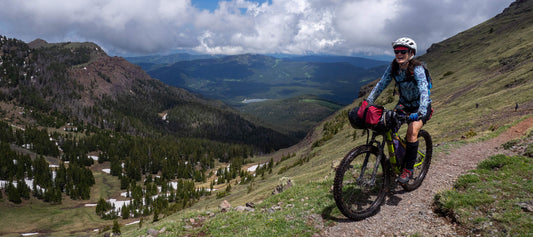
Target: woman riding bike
(410,78)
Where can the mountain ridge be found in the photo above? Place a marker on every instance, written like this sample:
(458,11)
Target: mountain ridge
(98,89)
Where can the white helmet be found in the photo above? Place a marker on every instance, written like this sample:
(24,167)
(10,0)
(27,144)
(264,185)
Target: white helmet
(406,42)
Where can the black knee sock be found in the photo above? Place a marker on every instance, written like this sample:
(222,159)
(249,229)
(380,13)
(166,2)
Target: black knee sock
(411,151)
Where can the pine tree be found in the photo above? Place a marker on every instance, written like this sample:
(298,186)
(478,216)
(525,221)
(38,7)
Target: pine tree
(228,188)
(116,227)
(100,207)
(23,189)
(13,194)
(156,215)
(125,212)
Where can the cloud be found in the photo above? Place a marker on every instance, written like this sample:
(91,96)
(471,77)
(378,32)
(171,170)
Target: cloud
(240,26)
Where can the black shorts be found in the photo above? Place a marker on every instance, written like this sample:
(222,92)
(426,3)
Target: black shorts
(407,110)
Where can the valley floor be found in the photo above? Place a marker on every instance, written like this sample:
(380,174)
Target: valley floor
(411,213)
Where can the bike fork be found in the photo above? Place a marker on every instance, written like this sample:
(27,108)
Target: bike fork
(372,180)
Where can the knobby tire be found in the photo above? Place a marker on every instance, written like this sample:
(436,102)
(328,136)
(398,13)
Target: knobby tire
(358,200)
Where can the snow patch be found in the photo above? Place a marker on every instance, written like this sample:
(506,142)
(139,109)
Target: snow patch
(30,234)
(135,222)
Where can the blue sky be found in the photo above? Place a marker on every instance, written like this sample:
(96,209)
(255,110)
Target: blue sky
(212,5)
(339,27)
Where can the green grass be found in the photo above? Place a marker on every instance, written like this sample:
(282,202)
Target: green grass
(296,205)
(71,216)
(487,200)
(478,67)
(294,116)
(294,212)
(36,216)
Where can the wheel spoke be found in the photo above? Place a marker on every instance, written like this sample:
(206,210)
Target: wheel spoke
(359,183)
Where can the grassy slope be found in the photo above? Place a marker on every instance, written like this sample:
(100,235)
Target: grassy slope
(61,219)
(293,116)
(490,65)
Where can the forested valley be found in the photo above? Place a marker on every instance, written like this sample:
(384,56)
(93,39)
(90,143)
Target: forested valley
(68,107)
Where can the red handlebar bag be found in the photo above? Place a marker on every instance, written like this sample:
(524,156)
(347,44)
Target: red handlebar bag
(370,114)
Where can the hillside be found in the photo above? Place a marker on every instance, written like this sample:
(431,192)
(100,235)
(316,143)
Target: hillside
(152,62)
(234,78)
(79,127)
(356,61)
(488,65)
(296,116)
(239,79)
(79,81)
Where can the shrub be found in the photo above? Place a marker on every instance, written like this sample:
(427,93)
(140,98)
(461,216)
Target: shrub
(529,151)
(116,227)
(510,144)
(465,180)
(471,133)
(495,162)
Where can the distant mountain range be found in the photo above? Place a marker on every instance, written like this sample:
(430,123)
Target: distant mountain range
(235,78)
(148,62)
(356,61)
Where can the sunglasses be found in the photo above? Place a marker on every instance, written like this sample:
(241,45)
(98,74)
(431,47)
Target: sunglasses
(400,51)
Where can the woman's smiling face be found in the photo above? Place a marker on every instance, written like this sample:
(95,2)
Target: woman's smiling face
(402,54)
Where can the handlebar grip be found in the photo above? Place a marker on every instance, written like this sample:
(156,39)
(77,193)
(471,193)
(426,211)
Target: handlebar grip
(403,118)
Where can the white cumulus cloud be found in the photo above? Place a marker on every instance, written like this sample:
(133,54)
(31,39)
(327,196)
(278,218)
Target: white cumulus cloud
(241,26)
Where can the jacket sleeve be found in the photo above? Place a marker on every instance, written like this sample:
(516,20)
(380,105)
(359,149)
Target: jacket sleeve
(420,77)
(382,84)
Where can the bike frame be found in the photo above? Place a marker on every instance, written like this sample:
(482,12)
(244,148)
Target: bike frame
(392,159)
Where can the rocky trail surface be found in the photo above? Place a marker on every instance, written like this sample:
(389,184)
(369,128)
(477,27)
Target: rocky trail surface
(411,213)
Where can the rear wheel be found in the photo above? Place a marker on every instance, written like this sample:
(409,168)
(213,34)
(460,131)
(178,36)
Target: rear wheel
(360,183)
(423,160)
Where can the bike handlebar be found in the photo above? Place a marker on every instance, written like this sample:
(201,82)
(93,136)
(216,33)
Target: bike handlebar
(394,119)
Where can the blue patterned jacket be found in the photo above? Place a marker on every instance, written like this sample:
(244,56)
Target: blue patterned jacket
(414,94)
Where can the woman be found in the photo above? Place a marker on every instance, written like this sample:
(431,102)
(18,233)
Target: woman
(410,78)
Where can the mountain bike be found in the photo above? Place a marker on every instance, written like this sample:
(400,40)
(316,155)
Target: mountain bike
(366,174)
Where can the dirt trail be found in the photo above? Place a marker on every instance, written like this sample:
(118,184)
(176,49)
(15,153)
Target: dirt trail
(409,213)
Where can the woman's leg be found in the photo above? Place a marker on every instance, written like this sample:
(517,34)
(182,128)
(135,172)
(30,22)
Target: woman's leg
(411,150)
(413,129)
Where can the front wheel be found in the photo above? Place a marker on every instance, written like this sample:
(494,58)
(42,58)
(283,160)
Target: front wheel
(423,160)
(360,183)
